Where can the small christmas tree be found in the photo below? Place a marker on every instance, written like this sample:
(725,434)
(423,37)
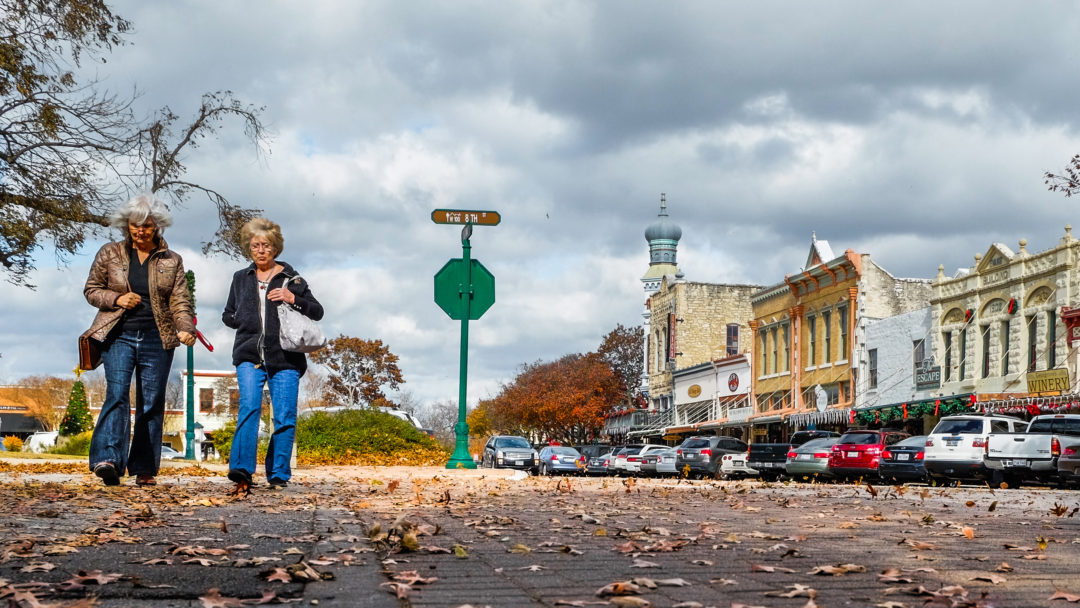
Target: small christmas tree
(77,417)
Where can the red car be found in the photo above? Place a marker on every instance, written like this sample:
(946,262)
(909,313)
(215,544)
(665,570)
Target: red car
(858,452)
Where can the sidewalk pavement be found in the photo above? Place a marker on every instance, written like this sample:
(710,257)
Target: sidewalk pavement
(399,536)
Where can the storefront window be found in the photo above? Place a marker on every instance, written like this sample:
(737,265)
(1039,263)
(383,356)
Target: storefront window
(1051,339)
(871,376)
(985,351)
(1004,334)
(811,332)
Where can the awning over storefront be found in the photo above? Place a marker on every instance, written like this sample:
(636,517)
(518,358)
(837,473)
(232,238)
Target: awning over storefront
(764,420)
(829,416)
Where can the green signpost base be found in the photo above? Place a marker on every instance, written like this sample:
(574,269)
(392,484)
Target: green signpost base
(461,458)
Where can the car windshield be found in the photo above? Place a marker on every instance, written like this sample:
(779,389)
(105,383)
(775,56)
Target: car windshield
(862,438)
(696,443)
(632,451)
(512,442)
(959,427)
(917,441)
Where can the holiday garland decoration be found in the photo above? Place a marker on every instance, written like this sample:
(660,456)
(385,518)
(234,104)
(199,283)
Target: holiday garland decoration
(966,404)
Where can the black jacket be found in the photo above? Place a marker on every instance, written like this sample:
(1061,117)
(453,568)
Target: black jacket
(242,314)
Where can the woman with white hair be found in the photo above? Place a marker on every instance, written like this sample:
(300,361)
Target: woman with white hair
(252,310)
(144,312)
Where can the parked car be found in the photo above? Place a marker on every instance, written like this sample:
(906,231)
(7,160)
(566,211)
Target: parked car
(600,465)
(957,444)
(592,450)
(40,442)
(509,451)
(560,459)
(903,461)
(618,463)
(653,459)
(858,452)
(1069,465)
(811,459)
(666,466)
(168,453)
(733,466)
(635,460)
(701,455)
(770,459)
(1015,458)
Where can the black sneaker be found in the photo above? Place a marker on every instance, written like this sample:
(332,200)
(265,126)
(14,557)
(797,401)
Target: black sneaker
(108,473)
(240,476)
(277,484)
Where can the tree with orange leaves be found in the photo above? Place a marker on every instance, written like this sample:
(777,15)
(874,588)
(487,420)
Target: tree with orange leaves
(563,400)
(358,370)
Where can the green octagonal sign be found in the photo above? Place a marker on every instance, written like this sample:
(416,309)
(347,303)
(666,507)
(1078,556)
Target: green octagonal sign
(451,289)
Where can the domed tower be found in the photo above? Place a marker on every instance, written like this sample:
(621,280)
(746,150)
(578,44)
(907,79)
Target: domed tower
(663,236)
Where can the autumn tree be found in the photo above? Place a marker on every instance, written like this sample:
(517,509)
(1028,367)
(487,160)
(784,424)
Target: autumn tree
(622,350)
(70,150)
(45,398)
(358,371)
(565,400)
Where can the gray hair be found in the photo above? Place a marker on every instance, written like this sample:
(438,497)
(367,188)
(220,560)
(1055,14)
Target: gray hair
(138,209)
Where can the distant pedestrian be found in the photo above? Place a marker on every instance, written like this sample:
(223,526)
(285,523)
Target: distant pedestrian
(252,310)
(144,312)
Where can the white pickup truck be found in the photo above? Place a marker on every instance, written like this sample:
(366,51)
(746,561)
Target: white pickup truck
(1015,458)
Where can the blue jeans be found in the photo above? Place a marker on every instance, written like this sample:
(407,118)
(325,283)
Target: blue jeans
(138,353)
(284,388)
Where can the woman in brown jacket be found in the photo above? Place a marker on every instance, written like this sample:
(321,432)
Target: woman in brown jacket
(144,312)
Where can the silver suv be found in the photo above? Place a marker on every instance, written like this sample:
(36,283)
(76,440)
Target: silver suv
(955,448)
(509,452)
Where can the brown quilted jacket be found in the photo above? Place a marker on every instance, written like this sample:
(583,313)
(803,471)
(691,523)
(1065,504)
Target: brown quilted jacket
(169,297)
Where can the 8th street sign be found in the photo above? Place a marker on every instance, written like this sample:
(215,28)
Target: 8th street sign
(464,216)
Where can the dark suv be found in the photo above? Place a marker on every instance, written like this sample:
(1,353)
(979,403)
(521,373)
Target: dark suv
(509,452)
(700,456)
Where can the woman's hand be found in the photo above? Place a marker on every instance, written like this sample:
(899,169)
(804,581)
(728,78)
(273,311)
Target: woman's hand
(186,338)
(281,295)
(129,300)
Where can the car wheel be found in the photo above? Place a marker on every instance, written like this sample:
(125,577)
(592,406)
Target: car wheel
(544,470)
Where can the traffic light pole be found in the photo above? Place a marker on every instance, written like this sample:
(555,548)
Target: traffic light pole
(461,458)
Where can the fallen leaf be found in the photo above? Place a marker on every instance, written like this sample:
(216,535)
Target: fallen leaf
(213,599)
(618,588)
(837,570)
(795,590)
(630,602)
(1004,567)
(990,578)
(1062,595)
(640,563)
(760,568)
(401,590)
(968,532)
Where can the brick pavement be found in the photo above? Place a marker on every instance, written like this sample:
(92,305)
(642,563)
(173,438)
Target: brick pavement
(538,542)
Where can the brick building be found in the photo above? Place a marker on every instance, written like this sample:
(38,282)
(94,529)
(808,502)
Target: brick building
(807,332)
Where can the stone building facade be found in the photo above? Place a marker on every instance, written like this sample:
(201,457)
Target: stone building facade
(999,320)
(807,332)
(692,324)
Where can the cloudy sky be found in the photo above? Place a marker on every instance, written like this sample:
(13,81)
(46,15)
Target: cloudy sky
(916,132)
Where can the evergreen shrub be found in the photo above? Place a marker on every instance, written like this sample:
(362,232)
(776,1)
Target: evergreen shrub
(363,437)
(73,445)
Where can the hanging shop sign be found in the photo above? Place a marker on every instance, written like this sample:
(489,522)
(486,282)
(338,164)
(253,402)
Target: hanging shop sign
(927,378)
(1049,381)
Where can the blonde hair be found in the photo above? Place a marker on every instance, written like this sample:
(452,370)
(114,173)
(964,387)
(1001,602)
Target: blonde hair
(263,227)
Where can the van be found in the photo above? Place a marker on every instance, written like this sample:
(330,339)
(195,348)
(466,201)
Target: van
(957,444)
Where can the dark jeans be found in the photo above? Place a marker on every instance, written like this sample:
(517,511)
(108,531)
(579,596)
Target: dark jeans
(137,353)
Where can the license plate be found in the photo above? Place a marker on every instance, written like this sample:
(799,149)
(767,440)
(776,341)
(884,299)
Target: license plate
(952,441)
(1015,463)
(738,465)
(903,456)
(806,456)
(852,454)
(669,459)
(519,462)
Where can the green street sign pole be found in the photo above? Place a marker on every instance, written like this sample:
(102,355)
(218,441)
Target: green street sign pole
(461,458)
(189,435)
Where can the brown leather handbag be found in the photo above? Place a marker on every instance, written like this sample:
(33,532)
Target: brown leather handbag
(89,353)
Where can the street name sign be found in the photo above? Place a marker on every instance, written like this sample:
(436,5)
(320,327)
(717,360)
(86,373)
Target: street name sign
(465,216)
